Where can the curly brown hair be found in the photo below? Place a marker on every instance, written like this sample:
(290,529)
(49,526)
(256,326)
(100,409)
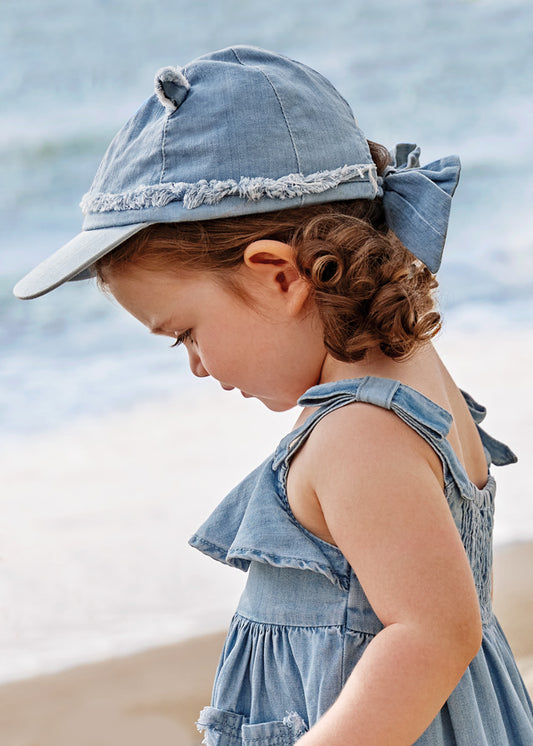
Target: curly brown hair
(370,291)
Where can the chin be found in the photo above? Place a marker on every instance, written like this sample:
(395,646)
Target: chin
(278,406)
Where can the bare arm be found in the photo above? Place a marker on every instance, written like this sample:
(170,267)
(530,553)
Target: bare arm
(384,507)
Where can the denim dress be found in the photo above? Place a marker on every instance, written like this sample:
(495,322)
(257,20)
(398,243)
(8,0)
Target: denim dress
(303,620)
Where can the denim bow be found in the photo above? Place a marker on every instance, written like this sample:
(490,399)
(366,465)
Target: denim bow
(417,201)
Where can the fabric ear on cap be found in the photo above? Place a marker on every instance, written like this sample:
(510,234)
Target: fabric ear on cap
(171,87)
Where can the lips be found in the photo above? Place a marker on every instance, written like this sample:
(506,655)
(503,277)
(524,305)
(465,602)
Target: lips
(232,388)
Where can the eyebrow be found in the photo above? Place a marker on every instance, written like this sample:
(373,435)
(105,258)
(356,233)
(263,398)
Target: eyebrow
(161,328)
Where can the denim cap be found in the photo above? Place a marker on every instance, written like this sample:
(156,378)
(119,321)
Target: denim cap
(240,131)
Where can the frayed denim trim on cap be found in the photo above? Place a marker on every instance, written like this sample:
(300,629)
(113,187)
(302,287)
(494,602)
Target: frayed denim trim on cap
(252,188)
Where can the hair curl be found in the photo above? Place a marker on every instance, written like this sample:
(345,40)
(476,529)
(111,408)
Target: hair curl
(370,291)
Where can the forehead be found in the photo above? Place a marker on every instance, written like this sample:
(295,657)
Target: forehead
(166,301)
(151,295)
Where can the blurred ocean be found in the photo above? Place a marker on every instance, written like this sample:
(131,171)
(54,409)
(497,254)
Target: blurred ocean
(455,76)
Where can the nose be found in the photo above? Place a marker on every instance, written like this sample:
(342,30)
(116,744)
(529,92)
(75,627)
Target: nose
(195,364)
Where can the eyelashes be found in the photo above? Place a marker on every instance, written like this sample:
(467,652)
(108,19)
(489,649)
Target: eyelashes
(181,338)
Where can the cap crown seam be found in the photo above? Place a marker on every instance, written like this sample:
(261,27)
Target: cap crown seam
(163,144)
(280,102)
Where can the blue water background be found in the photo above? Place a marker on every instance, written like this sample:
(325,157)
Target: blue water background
(456,76)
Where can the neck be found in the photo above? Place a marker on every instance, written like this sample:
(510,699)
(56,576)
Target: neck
(376,363)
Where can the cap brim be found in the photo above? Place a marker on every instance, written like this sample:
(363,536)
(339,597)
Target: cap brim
(73,259)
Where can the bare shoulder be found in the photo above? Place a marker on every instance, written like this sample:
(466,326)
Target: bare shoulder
(363,437)
(355,453)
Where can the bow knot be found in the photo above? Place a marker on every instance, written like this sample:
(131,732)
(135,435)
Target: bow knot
(417,201)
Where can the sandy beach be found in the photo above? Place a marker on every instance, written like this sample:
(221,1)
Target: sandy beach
(155,696)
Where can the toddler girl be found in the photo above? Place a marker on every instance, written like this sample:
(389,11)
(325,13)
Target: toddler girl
(242,213)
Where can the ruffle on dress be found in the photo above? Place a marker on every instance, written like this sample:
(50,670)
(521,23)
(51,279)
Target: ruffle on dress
(246,527)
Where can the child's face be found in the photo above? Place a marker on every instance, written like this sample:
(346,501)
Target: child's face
(260,346)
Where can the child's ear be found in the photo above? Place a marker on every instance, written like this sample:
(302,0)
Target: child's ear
(273,264)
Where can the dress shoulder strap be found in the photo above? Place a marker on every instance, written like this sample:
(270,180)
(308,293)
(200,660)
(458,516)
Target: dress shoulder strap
(428,419)
(497,453)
